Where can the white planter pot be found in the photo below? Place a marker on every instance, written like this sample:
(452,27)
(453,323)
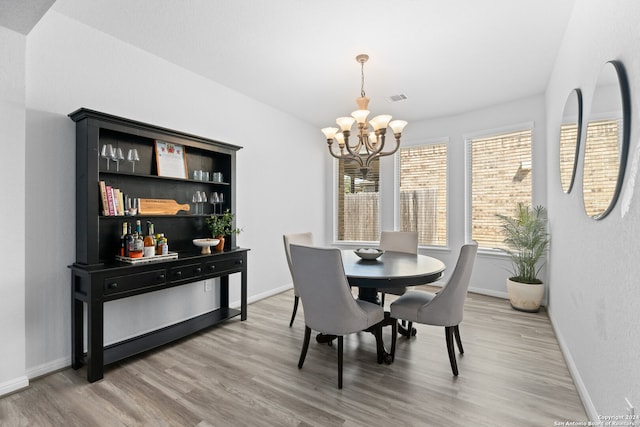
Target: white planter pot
(525,297)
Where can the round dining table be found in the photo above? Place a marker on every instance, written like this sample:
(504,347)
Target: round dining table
(390,270)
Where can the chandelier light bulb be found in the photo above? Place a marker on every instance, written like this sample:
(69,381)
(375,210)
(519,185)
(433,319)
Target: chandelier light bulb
(397,126)
(345,123)
(330,133)
(360,116)
(380,122)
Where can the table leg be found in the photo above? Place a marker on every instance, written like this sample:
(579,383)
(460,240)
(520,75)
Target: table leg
(325,339)
(404,331)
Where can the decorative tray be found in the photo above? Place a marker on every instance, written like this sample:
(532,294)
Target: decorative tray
(144,260)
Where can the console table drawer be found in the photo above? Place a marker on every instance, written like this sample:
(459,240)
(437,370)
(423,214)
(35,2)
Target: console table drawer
(113,285)
(185,272)
(214,267)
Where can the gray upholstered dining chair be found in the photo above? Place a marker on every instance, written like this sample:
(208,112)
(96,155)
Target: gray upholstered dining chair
(398,241)
(445,308)
(329,307)
(305,239)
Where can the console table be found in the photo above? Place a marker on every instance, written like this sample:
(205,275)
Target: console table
(97,284)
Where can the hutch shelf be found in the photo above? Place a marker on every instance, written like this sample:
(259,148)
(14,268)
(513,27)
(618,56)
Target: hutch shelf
(97,277)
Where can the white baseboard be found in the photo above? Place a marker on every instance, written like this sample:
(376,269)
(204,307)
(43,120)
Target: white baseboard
(489,292)
(589,407)
(49,367)
(14,385)
(264,295)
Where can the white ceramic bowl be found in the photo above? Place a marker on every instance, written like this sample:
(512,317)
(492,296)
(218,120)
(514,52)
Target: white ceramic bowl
(368,253)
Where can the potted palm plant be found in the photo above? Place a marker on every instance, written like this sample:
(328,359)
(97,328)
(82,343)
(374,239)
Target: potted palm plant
(527,241)
(221,226)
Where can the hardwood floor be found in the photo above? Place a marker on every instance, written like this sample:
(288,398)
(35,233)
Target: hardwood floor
(245,374)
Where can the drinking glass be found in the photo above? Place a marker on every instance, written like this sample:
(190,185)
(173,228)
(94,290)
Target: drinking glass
(194,200)
(118,157)
(203,200)
(214,200)
(133,157)
(107,153)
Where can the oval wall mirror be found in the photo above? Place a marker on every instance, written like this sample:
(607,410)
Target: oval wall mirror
(570,128)
(607,142)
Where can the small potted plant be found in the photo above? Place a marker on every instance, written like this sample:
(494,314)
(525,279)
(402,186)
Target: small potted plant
(221,226)
(527,240)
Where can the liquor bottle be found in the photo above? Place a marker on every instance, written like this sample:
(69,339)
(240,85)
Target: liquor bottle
(123,243)
(138,242)
(149,241)
(159,244)
(128,241)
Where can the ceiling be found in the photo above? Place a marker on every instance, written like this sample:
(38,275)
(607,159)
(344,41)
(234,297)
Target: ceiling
(298,56)
(21,16)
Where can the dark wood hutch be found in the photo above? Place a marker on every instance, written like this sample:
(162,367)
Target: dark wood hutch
(97,277)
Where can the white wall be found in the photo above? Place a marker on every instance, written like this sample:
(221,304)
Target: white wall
(70,65)
(491,268)
(594,272)
(12,218)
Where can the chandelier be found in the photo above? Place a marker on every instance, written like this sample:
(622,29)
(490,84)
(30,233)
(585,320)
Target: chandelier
(371,134)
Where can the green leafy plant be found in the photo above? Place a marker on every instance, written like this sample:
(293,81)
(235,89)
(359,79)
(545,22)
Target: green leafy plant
(527,240)
(222,225)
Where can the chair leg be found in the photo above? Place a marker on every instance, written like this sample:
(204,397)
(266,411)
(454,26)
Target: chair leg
(456,333)
(295,310)
(382,299)
(305,345)
(377,332)
(340,361)
(394,335)
(409,329)
(448,333)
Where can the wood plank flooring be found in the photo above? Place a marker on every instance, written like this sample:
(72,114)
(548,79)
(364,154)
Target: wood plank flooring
(245,374)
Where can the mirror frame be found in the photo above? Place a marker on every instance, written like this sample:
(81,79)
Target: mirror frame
(576,153)
(625,99)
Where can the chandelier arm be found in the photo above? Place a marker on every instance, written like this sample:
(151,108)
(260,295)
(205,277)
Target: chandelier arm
(389,153)
(355,149)
(346,157)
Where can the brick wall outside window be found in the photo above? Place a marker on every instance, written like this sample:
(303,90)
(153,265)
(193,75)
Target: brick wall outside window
(500,178)
(601,165)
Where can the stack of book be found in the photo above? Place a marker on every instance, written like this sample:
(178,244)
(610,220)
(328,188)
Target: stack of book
(114,201)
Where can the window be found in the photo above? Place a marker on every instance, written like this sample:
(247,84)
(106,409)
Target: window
(358,204)
(500,177)
(598,181)
(423,192)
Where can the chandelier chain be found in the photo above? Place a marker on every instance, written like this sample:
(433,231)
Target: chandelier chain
(362,79)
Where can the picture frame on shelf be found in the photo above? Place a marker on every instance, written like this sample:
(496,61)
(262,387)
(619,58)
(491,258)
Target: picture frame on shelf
(171,161)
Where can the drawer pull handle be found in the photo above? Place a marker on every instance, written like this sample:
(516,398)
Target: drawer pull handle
(161,276)
(212,267)
(198,270)
(239,262)
(112,285)
(179,273)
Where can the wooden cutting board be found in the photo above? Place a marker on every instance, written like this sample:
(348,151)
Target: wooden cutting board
(161,207)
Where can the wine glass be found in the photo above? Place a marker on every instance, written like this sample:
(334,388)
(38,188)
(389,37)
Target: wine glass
(203,200)
(133,157)
(117,157)
(221,202)
(214,200)
(107,153)
(194,200)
